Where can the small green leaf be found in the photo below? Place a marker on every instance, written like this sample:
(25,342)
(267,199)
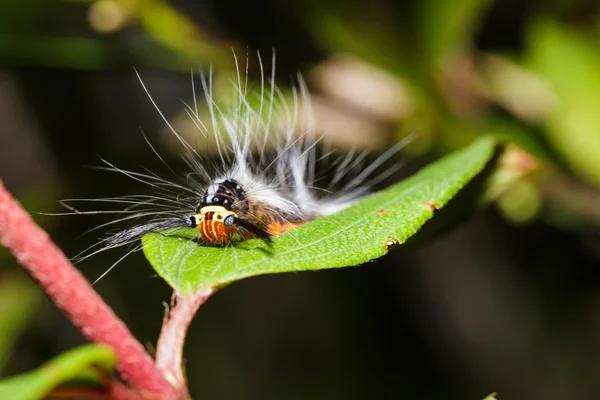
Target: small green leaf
(77,364)
(353,236)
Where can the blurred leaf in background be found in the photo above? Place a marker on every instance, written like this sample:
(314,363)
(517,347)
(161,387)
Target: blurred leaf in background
(570,62)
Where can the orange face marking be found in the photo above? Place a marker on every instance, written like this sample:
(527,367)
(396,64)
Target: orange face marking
(211,225)
(214,231)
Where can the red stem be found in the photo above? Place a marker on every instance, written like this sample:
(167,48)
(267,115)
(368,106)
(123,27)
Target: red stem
(169,350)
(70,291)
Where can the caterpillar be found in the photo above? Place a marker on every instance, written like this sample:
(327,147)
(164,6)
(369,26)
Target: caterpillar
(268,177)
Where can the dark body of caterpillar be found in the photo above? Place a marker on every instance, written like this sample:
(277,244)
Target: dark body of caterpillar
(226,214)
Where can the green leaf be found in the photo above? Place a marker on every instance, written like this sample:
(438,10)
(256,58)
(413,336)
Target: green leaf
(353,236)
(447,26)
(81,364)
(570,62)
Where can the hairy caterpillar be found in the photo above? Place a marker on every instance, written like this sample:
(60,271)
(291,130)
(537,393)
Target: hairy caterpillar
(265,182)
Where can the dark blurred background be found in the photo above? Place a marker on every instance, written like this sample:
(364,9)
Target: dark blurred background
(508,301)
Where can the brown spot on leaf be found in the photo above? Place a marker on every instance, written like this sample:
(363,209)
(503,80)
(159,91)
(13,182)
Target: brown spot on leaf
(383,211)
(392,242)
(431,206)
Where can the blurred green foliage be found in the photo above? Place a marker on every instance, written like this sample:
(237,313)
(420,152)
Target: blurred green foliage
(570,62)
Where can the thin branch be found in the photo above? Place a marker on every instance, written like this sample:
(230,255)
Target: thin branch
(70,291)
(169,350)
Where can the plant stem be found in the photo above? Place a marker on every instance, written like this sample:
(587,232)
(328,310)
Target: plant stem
(169,350)
(70,291)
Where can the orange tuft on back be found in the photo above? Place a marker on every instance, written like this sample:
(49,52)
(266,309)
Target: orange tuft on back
(277,228)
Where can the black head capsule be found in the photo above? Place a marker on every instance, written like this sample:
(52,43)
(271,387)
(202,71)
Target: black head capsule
(223,192)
